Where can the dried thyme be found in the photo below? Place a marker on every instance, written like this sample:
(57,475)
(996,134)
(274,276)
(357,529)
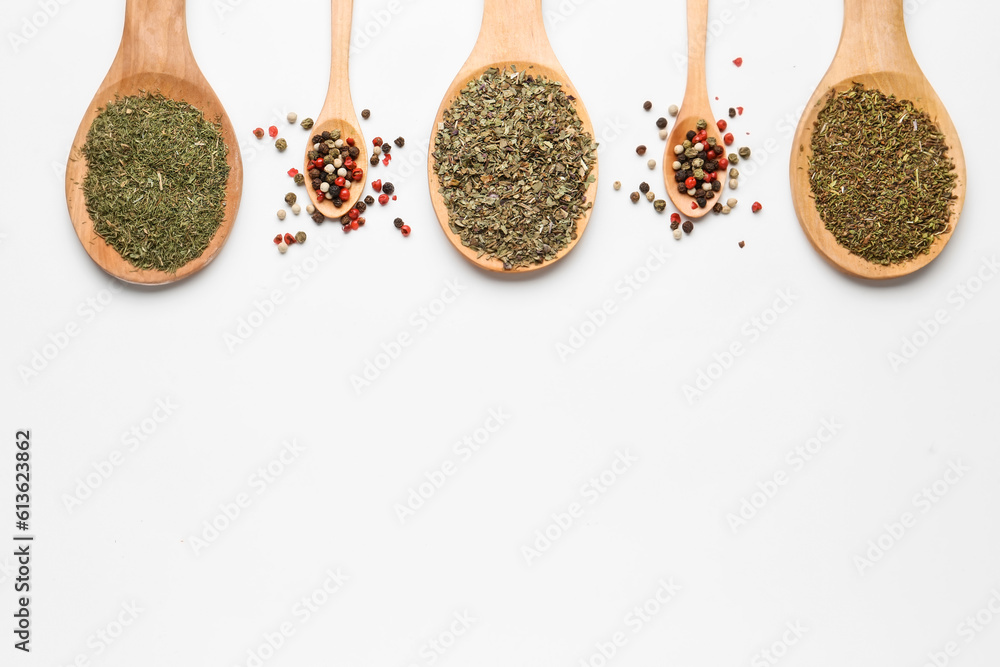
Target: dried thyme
(881,175)
(156,180)
(514,163)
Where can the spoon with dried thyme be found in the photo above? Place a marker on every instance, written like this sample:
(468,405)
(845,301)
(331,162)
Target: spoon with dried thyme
(513,161)
(695,133)
(877,169)
(153,209)
(336,159)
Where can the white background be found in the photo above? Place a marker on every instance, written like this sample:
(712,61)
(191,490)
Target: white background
(495,348)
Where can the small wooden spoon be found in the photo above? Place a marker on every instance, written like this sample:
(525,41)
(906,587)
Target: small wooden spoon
(154,56)
(338,110)
(512,33)
(873,51)
(696,106)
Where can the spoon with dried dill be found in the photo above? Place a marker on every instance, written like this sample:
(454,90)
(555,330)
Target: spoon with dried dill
(154,178)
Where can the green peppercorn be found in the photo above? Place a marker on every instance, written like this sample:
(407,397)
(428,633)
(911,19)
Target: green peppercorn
(334,134)
(300,237)
(744,152)
(702,124)
(290,198)
(281,145)
(660,205)
(699,174)
(307,124)
(712,141)
(734,173)
(734,158)
(300,179)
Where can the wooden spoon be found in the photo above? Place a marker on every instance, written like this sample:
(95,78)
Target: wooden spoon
(154,56)
(873,51)
(512,33)
(696,106)
(338,110)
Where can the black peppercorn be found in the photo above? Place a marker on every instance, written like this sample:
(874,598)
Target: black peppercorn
(369,200)
(323,150)
(388,188)
(366,114)
(640,150)
(709,195)
(691,134)
(702,202)
(373,160)
(313,156)
(400,141)
(316,183)
(345,220)
(681,188)
(314,173)
(398,222)
(644,187)
(361,206)
(661,122)
(386,148)
(354,151)
(647,105)
(325,136)
(716,186)
(679,176)
(732,112)
(688,227)
(318,217)
(337,202)
(674,224)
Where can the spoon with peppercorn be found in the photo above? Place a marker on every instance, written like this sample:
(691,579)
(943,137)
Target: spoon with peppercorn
(336,158)
(512,36)
(154,57)
(875,52)
(694,162)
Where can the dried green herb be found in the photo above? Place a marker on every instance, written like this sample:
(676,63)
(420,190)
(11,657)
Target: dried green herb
(514,164)
(881,175)
(156,180)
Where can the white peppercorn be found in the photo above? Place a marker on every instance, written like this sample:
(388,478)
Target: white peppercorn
(282,247)
(292,117)
(281,214)
(296,209)
(673,110)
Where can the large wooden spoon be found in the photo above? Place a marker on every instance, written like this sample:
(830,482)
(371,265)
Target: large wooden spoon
(695,106)
(873,51)
(512,33)
(338,110)
(154,56)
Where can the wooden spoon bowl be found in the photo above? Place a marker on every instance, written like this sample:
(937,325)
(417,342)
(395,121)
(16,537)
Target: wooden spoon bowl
(338,110)
(694,107)
(155,56)
(512,34)
(875,52)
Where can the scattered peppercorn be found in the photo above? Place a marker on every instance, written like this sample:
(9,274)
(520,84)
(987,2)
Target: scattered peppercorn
(617,185)
(405,229)
(651,164)
(373,160)
(756,207)
(640,149)
(634,197)
(366,114)
(744,152)
(742,244)
(318,217)
(290,198)
(738,62)
(273,131)
(400,142)
(732,112)
(300,238)
(677,234)
(386,148)
(388,188)
(282,247)
(277,239)
(688,226)
(722,124)
(292,117)
(259,133)
(647,105)
(281,214)
(296,209)
(660,205)
(383,199)
(644,187)
(673,110)
(398,222)
(717,208)
(650,196)
(729,139)
(307,124)
(661,122)
(674,224)
(281,145)
(289,239)
(300,179)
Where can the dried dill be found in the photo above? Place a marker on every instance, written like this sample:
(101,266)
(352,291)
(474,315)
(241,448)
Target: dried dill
(881,175)
(514,164)
(156,180)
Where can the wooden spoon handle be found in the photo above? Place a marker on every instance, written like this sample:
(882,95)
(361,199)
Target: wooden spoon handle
(874,37)
(513,30)
(697,88)
(155,38)
(338,98)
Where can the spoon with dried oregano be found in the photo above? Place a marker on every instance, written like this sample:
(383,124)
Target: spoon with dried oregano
(513,161)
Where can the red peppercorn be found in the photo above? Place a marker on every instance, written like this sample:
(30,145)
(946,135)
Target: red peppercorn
(722,125)
(383,199)
(756,207)
(694,205)
(293,172)
(354,224)
(691,182)
(354,214)
(729,139)
(377,141)
(405,230)
(710,155)
(273,131)
(259,133)
(361,222)
(723,163)
(739,110)
(340,181)
(349,141)
(709,176)
(346,228)
(289,239)
(345,194)
(675,217)
(277,239)
(385,160)
(738,62)
(377,185)
(349,164)
(318,163)
(357,174)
